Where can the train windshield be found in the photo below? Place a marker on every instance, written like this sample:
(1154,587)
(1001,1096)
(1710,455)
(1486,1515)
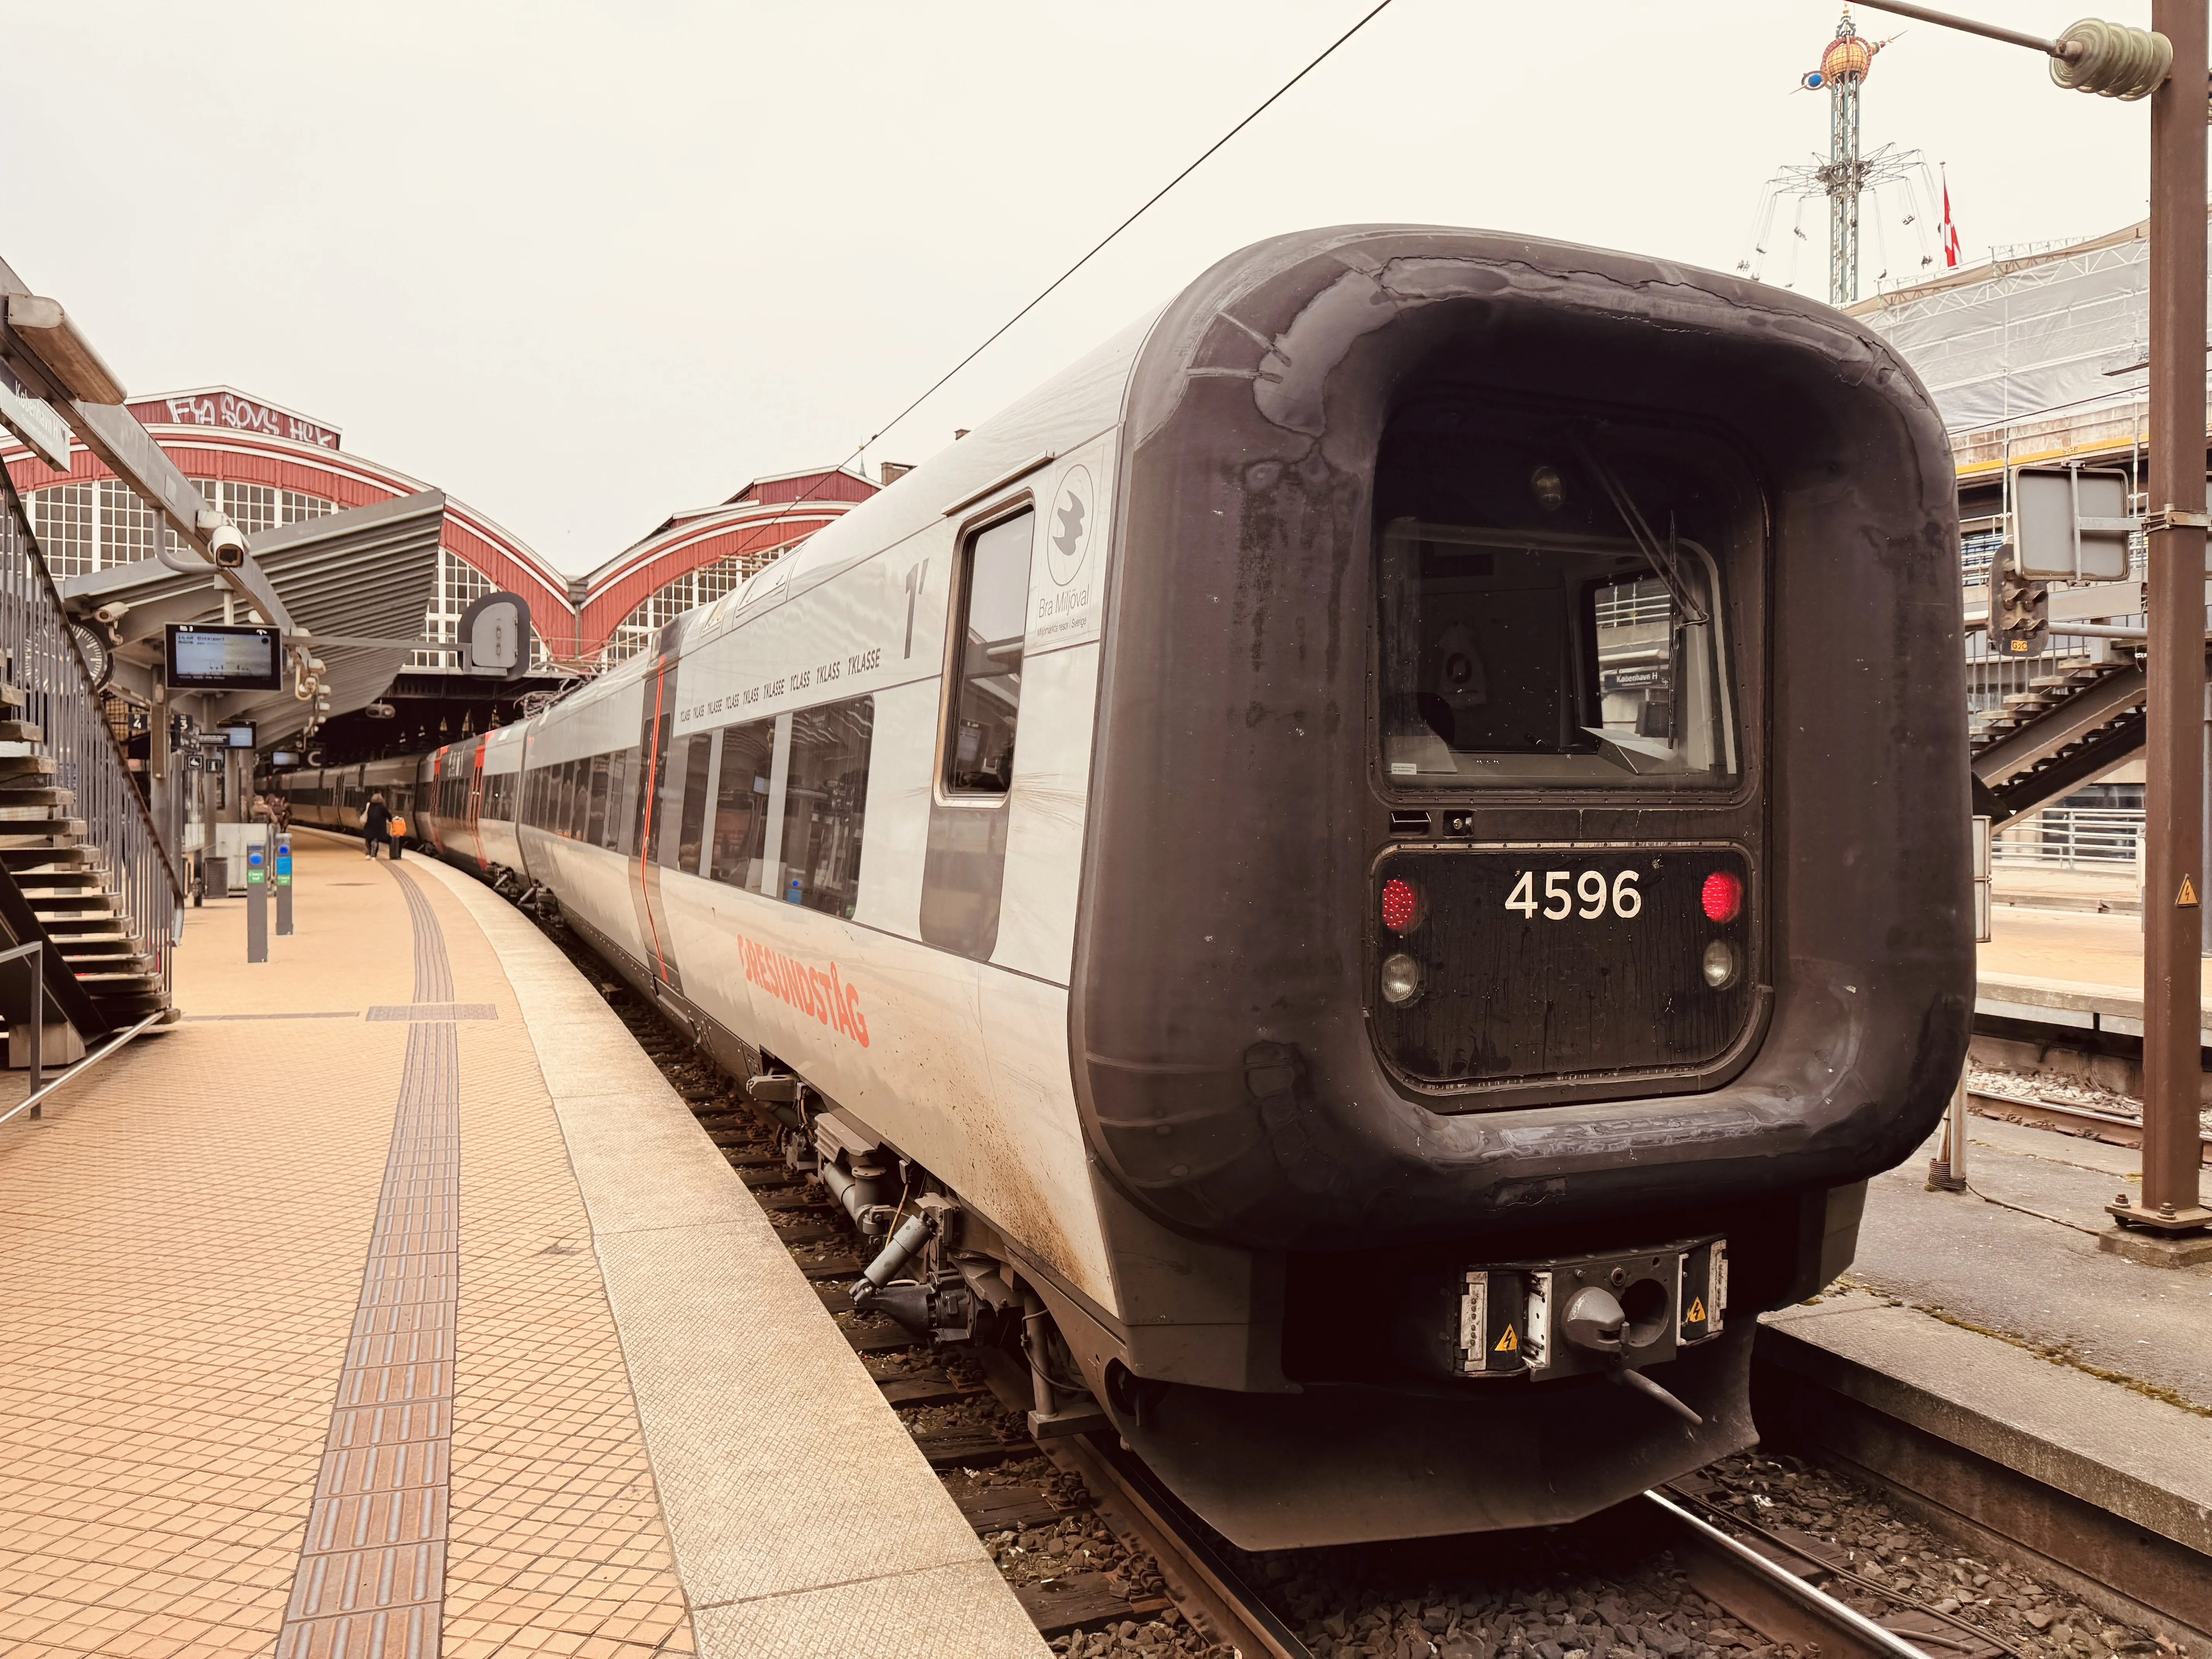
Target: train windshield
(1530,658)
(1553,599)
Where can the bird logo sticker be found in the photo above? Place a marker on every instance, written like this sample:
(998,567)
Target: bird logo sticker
(1067,538)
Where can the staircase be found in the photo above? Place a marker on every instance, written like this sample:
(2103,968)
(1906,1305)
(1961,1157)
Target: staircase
(56,887)
(2065,729)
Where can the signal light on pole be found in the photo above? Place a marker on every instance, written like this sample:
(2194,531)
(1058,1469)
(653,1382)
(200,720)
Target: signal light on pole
(1722,896)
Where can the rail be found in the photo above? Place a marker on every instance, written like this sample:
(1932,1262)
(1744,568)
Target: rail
(35,1102)
(2069,837)
(60,697)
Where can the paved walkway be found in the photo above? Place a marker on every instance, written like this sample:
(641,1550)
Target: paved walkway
(2077,946)
(306,1344)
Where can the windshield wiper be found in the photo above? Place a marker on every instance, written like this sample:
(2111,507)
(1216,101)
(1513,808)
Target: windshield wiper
(1666,560)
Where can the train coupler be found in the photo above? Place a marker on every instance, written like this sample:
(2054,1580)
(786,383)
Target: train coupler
(1615,1313)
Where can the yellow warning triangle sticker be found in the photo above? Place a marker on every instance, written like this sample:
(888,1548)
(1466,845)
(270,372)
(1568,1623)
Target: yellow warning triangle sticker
(2186,899)
(1697,1313)
(1508,1343)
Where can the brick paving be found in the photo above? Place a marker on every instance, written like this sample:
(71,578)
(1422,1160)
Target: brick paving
(182,1246)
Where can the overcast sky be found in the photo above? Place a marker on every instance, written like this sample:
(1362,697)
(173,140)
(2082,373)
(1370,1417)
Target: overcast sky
(582,264)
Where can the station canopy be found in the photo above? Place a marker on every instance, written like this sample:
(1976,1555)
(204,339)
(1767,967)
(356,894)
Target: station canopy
(366,574)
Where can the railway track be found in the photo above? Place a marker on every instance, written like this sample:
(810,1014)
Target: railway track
(1108,1561)
(2085,1122)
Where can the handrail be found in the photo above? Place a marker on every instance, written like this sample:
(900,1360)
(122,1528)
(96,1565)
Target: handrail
(34,1102)
(22,513)
(43,657)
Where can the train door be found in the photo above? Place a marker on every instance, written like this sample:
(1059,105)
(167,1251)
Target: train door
(652,826)
(964,867)
(476,802)
(433,804)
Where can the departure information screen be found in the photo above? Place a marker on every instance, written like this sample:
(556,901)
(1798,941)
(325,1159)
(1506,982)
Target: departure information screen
(213,658)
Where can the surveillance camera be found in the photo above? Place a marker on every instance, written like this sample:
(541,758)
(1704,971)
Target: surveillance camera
(228,543)
(113,612)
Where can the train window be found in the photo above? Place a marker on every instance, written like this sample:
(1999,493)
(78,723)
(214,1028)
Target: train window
(614,835)
(1536,630)
(825,800)
(741,805)
(668,807)
(994,601)
(595,812)
(691,821)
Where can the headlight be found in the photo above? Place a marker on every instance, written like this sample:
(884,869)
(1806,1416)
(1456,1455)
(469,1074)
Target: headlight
(1720,965)
(1401,978)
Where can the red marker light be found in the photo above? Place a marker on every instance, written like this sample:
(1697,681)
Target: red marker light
(1402,905)
(1722,897)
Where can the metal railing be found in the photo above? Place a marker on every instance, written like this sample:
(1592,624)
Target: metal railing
(2069,837)
(41,659)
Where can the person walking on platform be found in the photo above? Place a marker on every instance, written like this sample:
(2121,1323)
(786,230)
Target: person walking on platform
(376,823)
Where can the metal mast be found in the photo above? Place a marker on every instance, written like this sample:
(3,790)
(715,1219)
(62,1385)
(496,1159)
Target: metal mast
(1844,70)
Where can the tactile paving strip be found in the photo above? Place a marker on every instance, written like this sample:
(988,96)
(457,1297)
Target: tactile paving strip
(372,1575)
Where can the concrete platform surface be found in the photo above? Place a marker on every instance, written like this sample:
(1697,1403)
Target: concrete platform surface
(439,1327)
(2042,1281)
(2098,888)
(2077,947)
(2145,1460)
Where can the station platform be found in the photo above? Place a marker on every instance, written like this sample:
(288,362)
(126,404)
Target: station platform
(2067,968)
(393,1303)
(1988,1364)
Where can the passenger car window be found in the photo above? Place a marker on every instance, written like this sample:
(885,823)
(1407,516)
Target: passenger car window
(595,819)
(688,769)
(741,805)
(825,800)
(987,669)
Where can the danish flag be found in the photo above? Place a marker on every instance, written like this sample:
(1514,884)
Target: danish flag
(1949,232)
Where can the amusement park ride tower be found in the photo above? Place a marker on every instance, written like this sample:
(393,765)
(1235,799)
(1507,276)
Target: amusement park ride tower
(1842,70)
(1848,175)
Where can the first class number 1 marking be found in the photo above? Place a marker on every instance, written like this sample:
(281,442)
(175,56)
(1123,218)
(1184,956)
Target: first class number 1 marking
(1621,895)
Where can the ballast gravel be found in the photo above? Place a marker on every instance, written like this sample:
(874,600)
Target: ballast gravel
(1551,1595)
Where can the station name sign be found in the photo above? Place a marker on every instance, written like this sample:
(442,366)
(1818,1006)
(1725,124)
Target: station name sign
(242,414)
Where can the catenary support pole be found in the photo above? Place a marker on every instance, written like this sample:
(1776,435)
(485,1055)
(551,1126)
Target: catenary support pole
(2174,601)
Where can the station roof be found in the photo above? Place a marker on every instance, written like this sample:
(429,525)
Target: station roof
(223,433)
(2061,328)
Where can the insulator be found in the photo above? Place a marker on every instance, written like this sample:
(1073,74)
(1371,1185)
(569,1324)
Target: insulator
(2114,61)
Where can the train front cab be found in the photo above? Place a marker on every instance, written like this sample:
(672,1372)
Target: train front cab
(1524,897)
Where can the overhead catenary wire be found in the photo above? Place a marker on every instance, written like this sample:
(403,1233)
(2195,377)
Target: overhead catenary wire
(1099,247)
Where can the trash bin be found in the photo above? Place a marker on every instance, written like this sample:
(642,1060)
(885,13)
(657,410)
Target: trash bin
(214,875)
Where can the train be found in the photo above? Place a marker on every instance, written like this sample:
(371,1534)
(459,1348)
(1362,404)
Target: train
(1485,885)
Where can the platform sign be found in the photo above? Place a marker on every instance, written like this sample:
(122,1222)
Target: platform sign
(228,658)
(2071,523)
(495,637)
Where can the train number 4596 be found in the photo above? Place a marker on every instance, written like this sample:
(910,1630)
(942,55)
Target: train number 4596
(1595,895)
